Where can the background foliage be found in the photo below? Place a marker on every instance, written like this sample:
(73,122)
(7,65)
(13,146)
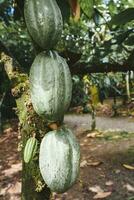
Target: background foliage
(98,35)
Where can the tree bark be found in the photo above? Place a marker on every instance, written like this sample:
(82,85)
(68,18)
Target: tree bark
(33,186)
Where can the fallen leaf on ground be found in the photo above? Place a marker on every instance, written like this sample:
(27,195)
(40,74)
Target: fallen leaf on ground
(95,164)
(117,171)
(83,163)
(102,195)
(93,134)
(96,189)
(129,187)
(109,183)
(128,167)
(82,144)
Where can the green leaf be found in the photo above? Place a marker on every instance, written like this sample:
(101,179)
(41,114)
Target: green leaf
(123,17)
(87,7)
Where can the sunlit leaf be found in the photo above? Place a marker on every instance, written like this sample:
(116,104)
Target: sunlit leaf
(87,7)
(83,163)
(109,183)
(102,195)
(96,189)
(129,187)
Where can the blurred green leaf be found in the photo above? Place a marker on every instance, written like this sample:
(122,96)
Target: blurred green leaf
(123,17)
(2,1)
(87,7)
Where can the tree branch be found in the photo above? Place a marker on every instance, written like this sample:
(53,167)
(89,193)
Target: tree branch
(84,68)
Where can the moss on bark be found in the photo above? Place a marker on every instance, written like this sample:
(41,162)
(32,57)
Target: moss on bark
(33,186)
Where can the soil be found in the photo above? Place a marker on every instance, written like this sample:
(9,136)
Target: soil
(10,164)
(107,160)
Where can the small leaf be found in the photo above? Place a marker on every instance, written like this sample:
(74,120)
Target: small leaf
(87,7)
(109,183)
(128,167)
(96,189)
(95,164)
(83,164)
(102,195)
(93,134)
(129,187)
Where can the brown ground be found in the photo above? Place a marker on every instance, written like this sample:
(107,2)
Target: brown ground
(102,172)
(10,165)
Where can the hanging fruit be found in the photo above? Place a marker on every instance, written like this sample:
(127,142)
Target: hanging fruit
(51,86)
(59,159)
(44,22)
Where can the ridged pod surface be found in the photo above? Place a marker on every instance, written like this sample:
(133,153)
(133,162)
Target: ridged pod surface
(51,86)
(44,22)
(59,159)
(30,149)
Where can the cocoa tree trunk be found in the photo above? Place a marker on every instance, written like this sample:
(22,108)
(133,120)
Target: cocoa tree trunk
(33,186)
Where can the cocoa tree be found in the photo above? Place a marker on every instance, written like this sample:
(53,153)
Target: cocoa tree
(113,39)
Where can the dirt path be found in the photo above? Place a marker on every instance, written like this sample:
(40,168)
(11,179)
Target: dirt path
(104,123)
(102,160)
